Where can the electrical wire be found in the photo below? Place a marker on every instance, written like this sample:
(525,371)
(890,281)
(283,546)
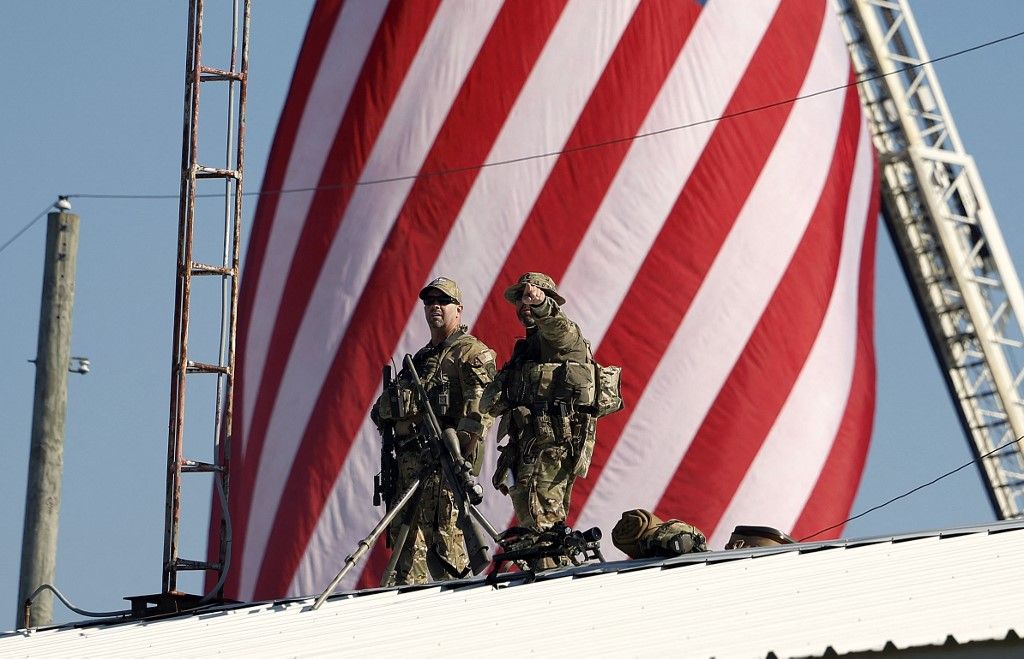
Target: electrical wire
(210,599)
(549,154)
(25,228)
(215,592)
(916,489)
(582,147)
(63,598)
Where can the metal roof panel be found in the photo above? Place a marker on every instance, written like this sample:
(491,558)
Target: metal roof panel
(907,591)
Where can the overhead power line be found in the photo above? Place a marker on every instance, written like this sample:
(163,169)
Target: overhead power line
(916,489)
(25,228)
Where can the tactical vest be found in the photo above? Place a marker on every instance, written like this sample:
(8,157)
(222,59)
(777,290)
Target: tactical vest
(540,385)
(585,387)
(437,368)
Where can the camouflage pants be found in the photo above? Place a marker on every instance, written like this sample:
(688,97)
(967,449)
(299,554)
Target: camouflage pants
(540,496)
(544,475)
(434,538)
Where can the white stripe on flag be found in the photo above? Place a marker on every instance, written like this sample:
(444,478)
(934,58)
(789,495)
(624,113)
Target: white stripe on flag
(332,88)
(656,168)
(450,46)
(728,304)
(779,481)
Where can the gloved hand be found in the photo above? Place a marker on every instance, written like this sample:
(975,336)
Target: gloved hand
(467,444)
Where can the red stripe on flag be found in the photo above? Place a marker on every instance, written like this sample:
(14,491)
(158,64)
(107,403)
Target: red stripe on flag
(371,98)
(411,249)
(373,567)
(703,216)
(580,179)
(318,31)
(836,487)
(761,380)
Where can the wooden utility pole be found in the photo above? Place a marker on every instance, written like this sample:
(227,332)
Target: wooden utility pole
(46,459)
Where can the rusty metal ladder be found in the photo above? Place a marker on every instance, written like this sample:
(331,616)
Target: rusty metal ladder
(221,367)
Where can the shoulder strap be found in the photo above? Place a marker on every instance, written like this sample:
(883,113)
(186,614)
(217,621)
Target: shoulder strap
(460,338)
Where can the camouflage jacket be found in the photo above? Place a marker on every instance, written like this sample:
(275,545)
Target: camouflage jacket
(554,339)
(454,373)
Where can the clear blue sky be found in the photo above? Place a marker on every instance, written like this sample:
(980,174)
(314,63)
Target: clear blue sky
(92,103)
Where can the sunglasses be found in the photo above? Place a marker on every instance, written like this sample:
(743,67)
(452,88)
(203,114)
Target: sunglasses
(443,300)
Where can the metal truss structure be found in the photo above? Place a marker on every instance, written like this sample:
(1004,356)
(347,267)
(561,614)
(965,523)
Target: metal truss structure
(936,209)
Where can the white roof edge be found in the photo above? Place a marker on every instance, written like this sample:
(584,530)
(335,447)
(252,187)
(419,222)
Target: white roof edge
(911,590)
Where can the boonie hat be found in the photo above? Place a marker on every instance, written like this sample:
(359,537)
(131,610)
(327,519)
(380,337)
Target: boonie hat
(514,292)
(446,286)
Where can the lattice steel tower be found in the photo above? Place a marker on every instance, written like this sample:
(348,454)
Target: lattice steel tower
(947,237)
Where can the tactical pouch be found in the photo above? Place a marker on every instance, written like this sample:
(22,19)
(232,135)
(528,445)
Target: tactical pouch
(477,459)
(545,382)
(387,409)
(585,448)
(521,418)
(545,429)
(534,382)
(609,394)
(542,381)
(441,395)
(575,382)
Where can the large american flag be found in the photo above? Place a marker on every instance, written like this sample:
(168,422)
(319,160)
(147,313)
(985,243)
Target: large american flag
(726,265)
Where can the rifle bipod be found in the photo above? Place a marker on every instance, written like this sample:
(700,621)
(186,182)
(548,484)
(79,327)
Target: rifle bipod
(443,444)
(476,545)
(367,543)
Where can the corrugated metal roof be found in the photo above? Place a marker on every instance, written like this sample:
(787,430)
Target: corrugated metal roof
(851,596)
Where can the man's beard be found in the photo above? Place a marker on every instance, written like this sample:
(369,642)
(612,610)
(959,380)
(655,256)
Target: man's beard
(527,321)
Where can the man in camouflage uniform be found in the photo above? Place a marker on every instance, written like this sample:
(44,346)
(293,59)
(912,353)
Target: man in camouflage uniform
(454,367)
(539,393)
